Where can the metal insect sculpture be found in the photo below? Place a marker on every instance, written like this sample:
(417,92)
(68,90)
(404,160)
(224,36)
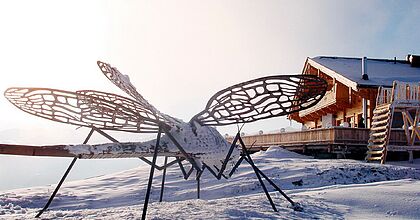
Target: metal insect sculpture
(194,141)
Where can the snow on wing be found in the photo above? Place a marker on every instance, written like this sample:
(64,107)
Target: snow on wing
(262,98)
(84,108)
(123,82)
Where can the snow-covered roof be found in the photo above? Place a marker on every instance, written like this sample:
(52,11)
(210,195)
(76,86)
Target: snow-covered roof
(381,72)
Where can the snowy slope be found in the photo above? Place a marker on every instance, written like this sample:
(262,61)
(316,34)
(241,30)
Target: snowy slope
(327,189)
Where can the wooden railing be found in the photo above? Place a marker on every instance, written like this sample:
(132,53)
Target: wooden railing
(322,136)
(384,96)
(406,92)
(401,92)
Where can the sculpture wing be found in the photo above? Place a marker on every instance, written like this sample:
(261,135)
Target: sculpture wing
(85,108)
(262,98)
(123,82)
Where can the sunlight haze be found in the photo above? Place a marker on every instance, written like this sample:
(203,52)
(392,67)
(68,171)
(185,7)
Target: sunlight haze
(179,53)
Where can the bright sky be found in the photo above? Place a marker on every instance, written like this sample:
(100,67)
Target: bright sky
(179,53)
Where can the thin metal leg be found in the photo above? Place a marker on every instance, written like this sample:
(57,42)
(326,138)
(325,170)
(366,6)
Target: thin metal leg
(57,188)
(181,167)
(163,179)
(257,174)
(190,172)
(236,165)
(274,185)
(198,182)
(180,148)
(152,170)
(63,178)
(222,169)
(211,170)
(105,135)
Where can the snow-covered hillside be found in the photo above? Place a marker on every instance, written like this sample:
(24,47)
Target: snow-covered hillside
(326,189)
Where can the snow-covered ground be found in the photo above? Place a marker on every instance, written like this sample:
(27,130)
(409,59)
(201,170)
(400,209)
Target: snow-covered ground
(326,189)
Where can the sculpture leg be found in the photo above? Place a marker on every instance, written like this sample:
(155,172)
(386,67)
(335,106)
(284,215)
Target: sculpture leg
(152,170)
(236,165)
(57,188)
(222,169)
(62,179)
(163,179)
(294,205)
(181,149)
(257,174)
(198,175)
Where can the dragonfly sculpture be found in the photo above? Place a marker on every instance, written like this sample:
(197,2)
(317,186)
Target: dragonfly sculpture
(195,141)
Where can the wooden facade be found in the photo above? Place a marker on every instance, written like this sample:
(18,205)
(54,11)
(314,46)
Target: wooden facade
(344,120)
(342,103)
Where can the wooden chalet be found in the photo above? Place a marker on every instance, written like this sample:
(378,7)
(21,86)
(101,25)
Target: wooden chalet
(341,122)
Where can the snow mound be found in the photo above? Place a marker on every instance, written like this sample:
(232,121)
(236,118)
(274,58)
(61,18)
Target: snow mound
(280,153)
(319,185)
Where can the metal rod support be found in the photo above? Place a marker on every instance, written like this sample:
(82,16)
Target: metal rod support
(274,185)
(180,148)
(63,178)
(236,165)
(57,188)
(198,183)
(257,174)
(106,135)
(160,167)
(152,170)
(224,164)
(181,167)
(163,179)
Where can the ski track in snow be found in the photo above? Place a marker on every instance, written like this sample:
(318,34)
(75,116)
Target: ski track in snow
(326,189)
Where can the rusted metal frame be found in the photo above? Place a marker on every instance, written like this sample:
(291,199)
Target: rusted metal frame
(62,179)
(152,170)
(85,108)
(163,179)
(257,174)
(278,90)
(181,149)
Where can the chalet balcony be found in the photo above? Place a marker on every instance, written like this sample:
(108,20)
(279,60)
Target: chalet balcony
(328,104)
(341,140)
(402,94)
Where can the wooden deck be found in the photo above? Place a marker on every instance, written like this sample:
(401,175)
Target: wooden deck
(339,140)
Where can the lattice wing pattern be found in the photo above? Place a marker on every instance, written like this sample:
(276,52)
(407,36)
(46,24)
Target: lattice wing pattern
(262,98)
(85,108)
(123,82)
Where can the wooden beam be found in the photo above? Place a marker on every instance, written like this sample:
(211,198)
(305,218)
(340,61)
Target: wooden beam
(28,150)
